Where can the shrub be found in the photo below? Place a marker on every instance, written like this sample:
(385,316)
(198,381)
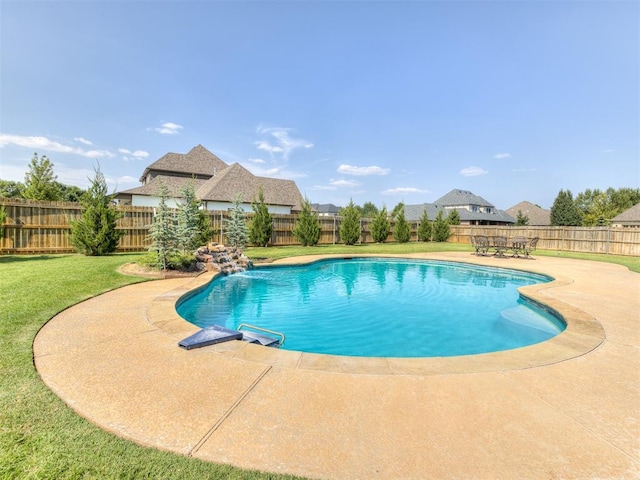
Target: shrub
(402,232)
(441,231)
(95,232)
(162,231)
(261,226)
(307,228)
(187,219)
(425,230)
(350,226)
(380,226)
(235,226)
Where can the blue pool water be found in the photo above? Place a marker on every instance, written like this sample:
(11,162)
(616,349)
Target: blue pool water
(380,307)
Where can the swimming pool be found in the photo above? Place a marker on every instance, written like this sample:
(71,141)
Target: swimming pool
(380,307)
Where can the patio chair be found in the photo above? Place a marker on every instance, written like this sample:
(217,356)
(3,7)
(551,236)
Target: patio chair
(499,243)
(517,245)
(481,244)
(530,247)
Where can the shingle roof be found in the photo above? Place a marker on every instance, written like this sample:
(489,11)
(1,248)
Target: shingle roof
(413,213)
(462,197)
(630,216)
(236,179)
(325,208)
(198,161)
(537,216)
(174,184)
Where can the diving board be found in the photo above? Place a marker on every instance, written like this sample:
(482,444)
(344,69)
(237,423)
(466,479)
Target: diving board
(210,336)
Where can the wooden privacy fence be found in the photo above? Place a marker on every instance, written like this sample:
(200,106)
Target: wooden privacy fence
(45,227)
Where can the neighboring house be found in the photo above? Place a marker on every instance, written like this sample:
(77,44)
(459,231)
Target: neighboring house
(217,184)
(326,209)
(473,210)
(538,217)
(628,218)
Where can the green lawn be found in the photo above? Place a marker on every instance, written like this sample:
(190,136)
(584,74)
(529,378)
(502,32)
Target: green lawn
(40,437)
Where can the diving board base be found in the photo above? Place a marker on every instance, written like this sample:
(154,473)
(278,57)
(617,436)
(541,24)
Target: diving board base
(210,336)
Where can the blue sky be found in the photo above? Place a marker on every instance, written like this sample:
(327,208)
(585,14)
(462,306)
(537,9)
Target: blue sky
(370,100)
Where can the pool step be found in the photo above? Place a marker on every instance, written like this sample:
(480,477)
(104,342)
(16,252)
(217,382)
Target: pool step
(217,334)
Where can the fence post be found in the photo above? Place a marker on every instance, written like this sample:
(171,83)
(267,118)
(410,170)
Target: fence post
(334,230)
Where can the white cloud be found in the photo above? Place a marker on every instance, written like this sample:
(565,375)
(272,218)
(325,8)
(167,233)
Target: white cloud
(324,187)
(403,191)
(501,156)
(267,147)
(36,143)
(279,141)
(371,170)
(256,160)
(344,183)
(124,182)
(472,172)
(97,154)
(83,140)
(274,172)
(169,128)
(138,154)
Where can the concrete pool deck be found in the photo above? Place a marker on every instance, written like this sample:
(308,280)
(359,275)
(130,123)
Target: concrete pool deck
(568,408)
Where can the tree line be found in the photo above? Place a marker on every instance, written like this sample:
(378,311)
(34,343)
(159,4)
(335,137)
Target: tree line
(592,208)
(176,233)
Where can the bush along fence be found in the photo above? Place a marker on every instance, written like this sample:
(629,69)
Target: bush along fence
(45,227)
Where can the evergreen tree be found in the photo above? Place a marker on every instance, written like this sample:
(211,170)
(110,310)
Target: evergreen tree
(453,218)
(163,229)
(350,226)
(188,219)
(441,231)
(380,226)
(564,211)
(235,227)
(425,230)
(402,231)
(261,226)
(522,219)
(40,181)
(205,229)
(307,228)
(95,232)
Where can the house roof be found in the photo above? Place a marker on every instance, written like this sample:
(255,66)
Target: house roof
(413,213)
(237,180)
(198,161)
(537,216)
(630,216)
(325,208)
(174,184)
(461,197)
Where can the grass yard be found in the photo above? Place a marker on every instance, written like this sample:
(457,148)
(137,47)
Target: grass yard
(40,437)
